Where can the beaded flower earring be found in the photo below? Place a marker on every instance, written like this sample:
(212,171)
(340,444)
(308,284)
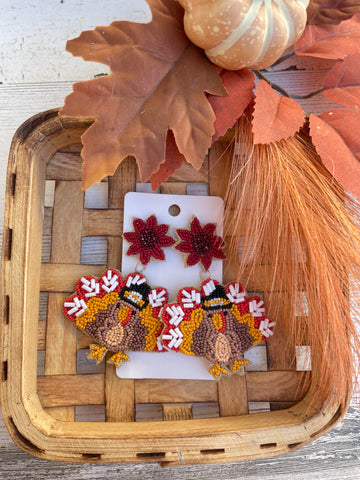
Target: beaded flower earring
(148,239)
(123,314)
(216,322)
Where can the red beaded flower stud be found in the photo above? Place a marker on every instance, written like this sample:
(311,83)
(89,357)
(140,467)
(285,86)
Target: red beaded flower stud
(148,239)
(200,243)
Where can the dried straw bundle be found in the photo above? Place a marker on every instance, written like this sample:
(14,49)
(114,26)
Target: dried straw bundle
(303,228)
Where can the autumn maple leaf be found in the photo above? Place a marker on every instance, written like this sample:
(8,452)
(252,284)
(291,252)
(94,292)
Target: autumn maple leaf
(331,11)
(333,42)
(239,86)
(275,117)
(157,83)
(335,133)
(342,83)
(336,139)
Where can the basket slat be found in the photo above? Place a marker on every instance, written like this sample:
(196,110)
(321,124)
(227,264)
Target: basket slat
(177,411)
(233,397)
(103,222)
(281,351)
(88,389)
(119,393)
(66,246)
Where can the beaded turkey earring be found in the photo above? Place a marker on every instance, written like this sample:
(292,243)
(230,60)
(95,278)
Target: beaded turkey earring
(216,322)
(120,314)
(123,314)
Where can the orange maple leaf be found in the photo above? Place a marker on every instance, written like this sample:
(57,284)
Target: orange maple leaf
(157,83)
(333,42)
(173,160)
(275,117)
(342,83)
(336,139)
(239,86)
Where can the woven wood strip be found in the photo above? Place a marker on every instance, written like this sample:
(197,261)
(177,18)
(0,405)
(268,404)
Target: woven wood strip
(47,226)
(177,411)
(64,166)
(119,392)
(169,391)
(233,397)
(173,188)
(281,352)
(276,386)
(62,277)
(66,245)
(232,391)
(103,222)
(57,390)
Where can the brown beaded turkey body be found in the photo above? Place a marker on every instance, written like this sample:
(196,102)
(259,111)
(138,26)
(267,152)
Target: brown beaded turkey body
(217,322)
(221,338)
(119,327)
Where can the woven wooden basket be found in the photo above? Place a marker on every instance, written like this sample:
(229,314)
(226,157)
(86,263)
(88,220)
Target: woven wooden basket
(164,421)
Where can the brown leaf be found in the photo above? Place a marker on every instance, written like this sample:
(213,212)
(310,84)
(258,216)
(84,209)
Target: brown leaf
(336,139)
(342,83)
(173,161)
(330,41)
(331,11)
(239,86)
(275,117)
(157,82)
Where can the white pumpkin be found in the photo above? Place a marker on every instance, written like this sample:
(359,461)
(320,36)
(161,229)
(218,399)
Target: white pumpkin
(244,33)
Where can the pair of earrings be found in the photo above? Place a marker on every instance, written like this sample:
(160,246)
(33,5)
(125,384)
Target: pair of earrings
(121,314)
(200,244)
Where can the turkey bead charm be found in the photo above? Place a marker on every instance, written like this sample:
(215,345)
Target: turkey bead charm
(216,322)
(239,34)
(119,314)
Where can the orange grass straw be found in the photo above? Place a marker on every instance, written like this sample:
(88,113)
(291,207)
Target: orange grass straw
(293,218)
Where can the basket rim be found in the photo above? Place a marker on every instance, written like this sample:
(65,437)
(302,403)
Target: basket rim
(34,430)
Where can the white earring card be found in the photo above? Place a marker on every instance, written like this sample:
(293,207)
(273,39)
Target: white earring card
(171,274)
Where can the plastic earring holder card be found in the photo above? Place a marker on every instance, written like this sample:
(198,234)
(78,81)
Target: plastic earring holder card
(170,273)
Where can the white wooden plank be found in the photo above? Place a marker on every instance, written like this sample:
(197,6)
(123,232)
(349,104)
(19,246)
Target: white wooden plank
(34,35)
(17,104)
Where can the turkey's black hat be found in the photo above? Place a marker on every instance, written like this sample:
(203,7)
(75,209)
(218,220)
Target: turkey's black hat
(217,293)
(128,294)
